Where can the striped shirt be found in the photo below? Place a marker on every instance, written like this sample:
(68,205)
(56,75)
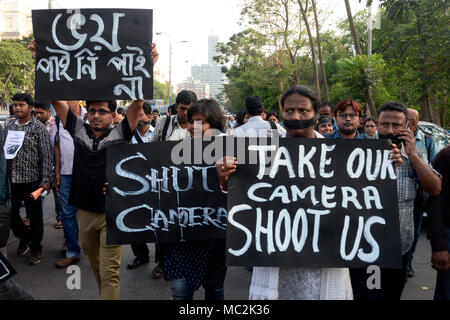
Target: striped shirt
(406,193)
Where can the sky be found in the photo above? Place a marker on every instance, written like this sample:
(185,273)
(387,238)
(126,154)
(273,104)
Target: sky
(191,21)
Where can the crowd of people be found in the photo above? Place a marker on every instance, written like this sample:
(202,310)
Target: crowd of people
(66,155)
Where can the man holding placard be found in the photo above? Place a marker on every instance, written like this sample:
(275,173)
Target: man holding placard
(30,165)
(300,112)
(118,78)
(88,177)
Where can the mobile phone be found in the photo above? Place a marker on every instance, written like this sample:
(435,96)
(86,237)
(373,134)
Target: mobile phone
(406,127)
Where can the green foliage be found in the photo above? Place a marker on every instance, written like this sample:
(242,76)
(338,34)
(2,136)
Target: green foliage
(16,69)
(358,74)
(160,91)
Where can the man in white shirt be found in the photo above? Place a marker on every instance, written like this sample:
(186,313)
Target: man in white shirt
(62,143)
(256,126)
(174,128)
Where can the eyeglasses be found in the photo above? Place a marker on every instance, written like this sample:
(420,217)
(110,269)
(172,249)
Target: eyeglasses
(371,126)
(345,115)
(101,112)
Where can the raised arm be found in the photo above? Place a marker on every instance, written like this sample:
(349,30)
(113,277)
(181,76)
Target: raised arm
(62,109)
(133,112)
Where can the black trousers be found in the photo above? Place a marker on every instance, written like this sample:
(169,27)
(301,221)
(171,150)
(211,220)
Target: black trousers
(140,250)
(392,283)
(34,234)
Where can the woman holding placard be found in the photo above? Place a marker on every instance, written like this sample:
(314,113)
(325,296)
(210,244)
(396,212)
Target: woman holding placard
(191,264)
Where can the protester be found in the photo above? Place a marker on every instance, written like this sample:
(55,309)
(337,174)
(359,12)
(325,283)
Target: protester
(88,176)
(255,125)
(326,109)
(370,127)
(232,122)
(426,149)
(191,264)
(64,154)
(300,113)
(347,113)
(29,168)
(274,116)
(44,115)
(438,230)
(176,128)
(142,134)
(392,125)
(324,125)
(9,289)
(155,117)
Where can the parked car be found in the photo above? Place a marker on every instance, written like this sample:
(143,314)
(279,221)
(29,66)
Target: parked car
(439,135)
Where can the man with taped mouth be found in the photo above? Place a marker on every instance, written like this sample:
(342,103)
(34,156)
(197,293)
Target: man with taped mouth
(300,113)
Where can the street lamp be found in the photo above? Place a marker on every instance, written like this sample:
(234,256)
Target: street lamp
(170,61)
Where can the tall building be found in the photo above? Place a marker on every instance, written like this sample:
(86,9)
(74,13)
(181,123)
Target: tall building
(210,74)
(15,20)
(212,51)
(200,89)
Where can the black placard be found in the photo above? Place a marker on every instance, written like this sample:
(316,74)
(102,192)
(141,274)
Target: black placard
(294,213)
(93,54)
(6,270)
(151,199)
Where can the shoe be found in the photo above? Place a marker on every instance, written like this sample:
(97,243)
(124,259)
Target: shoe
(23,248)
(158,272)
(64,263)
(411,272)
(35,258)
(137,262)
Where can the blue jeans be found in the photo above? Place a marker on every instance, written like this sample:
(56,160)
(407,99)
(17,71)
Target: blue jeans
(182,291)
(442,291)
(69,218)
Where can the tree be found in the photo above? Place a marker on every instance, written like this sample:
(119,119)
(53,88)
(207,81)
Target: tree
(368,95)
(353,78)
(303,10)
(319,49)
(16,69)
(427,33)
(160,91)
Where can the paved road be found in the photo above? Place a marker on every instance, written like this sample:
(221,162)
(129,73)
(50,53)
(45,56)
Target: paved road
(45,282)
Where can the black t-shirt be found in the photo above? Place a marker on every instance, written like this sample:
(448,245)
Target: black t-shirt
(89,161)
